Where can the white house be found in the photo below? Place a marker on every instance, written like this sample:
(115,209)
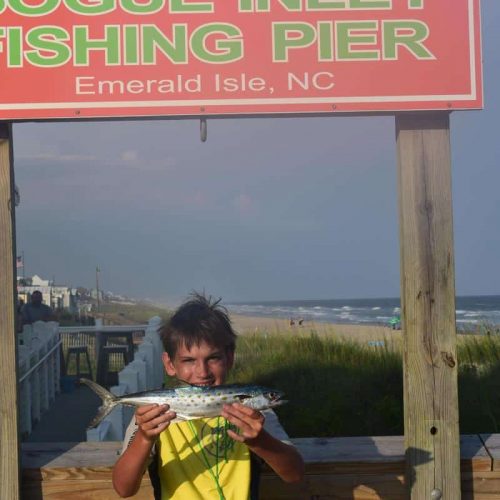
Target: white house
(57,297)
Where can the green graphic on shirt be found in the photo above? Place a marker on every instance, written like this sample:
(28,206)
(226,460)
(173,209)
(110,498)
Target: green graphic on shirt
(215,439)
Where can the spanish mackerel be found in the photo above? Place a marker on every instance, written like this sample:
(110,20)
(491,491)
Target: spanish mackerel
(191,401)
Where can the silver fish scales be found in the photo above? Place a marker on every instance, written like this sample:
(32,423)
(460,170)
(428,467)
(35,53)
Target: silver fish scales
(189,402)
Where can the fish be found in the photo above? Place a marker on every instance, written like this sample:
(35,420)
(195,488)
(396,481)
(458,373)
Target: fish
(189,402)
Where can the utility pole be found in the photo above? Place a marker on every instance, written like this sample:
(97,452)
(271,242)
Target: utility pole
(97,271)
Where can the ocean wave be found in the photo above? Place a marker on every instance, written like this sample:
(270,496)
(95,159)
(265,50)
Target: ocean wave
(362,311)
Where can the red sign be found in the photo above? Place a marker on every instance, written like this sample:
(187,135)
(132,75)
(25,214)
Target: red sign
(127,58)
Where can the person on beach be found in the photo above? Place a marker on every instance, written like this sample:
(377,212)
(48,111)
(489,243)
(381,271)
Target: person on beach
(210,458)
(35,310)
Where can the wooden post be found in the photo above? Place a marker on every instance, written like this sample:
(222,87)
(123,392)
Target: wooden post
(9,434)
(428,306)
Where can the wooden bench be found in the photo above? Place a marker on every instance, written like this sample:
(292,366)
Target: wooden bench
(360,468)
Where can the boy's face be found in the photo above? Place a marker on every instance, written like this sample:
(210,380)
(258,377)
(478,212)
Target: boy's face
(203,364)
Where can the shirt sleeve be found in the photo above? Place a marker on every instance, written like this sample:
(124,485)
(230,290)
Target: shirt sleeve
(273,426)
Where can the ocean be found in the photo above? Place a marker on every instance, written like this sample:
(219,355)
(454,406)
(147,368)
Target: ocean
(471,311)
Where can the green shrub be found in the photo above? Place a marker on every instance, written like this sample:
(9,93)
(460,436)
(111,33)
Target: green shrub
(341,388)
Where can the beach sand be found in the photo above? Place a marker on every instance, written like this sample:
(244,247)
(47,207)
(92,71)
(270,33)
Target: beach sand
(358,333)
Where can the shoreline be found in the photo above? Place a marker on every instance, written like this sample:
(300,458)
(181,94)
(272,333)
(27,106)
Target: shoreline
(365,333)
(243,325)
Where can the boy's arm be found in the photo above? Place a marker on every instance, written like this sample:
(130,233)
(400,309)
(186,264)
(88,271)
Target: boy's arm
(151,420)
(283,458)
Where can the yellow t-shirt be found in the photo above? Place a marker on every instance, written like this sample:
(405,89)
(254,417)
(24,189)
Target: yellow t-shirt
(198,460)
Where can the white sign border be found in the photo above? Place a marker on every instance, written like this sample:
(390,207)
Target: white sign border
(266,101)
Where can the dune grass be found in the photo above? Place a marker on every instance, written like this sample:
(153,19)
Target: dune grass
(334,387)
(342,388)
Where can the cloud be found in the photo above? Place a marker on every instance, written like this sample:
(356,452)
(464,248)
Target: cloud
(55,157)
(244,204)
(196,200)
(129,156)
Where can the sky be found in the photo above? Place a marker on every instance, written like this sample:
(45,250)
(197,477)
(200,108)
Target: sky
(266,209)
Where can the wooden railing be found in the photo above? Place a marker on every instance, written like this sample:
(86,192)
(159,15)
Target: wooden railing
(360,468)
(144,372)
(39,371)
(41,351)
(86,335)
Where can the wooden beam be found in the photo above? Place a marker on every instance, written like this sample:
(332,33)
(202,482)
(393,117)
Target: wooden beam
(361,468)
(428,305)
(9,441)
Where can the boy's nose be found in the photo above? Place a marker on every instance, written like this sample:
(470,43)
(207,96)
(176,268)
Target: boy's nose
(202,370)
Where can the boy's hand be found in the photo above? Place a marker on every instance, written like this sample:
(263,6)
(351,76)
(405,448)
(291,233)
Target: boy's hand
(249,421)
(151,420)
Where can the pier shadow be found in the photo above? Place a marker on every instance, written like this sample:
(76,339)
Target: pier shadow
(67,418)
(359,402)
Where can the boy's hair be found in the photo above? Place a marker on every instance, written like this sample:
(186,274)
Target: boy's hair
(199,319)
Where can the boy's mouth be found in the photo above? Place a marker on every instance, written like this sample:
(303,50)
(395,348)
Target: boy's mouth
(205,383)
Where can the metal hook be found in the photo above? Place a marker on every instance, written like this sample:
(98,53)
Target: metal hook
(203,129)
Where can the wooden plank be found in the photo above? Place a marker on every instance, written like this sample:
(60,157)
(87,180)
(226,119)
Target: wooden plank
(67,455)
(370,455)
(79,490)
(361,468)
(352,449)
(346,455)
(9,425)
(476,486)
(474,457)
(481,483)
(492,445)
(428,305)
(343,486)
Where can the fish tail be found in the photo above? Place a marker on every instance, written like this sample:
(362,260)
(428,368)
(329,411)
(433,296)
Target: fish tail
(109,401)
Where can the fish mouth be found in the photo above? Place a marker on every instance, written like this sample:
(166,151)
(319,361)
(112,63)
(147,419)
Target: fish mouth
(278,402)
(275,399)
(275,396)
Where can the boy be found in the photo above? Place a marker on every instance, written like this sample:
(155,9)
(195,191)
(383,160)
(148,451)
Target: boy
(206,458)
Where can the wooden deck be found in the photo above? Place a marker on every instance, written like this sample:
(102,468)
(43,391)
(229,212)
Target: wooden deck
(358,468)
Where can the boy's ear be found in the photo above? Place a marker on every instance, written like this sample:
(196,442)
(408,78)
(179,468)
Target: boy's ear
(169,366)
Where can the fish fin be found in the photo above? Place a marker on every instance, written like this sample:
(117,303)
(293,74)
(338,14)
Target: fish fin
(109,401)
(182,418)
